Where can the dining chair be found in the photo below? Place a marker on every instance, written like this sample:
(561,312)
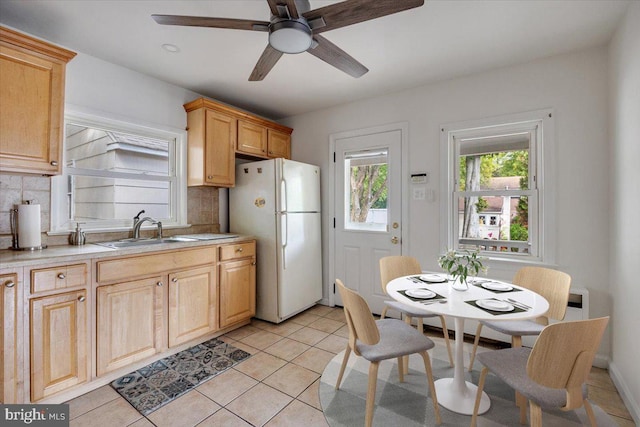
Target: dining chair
(551,375)
(553,285)
(378,340)
(392,267)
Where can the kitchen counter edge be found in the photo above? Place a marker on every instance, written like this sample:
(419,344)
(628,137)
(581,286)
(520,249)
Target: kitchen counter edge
(12,259)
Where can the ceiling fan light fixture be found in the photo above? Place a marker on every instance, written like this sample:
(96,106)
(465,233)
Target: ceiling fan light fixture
(289,36)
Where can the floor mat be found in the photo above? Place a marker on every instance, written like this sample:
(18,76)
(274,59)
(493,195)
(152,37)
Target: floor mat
(409,404)
(157,384)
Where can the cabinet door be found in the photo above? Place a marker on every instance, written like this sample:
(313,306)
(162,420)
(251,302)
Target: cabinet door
(252,139)
(31,94)
(129,322)
(220,143)
(192,304)
(8,336)
(59,342)
(279,144)
(237,291)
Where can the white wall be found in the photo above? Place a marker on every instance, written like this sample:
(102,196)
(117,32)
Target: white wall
(102,88)
(574,85)
(625,189)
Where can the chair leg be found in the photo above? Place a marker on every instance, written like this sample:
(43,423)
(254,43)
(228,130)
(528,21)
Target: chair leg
(445,333)
(405,359)
(521,402)
(535,412)
(420,325)
(401,368)
(384,312)
(371,393)
(590,414)
(432,387)
(516,341)
(345,359)
(476,406)
(475,346)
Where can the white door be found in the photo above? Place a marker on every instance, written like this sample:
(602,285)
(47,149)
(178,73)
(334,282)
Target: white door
(367,208)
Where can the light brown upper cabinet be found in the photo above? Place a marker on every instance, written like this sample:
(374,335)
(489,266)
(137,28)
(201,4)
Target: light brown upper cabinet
(218,132)
(252,138)
(279,144)
(32,75)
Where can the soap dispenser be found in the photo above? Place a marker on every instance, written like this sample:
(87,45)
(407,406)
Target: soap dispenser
(77,237)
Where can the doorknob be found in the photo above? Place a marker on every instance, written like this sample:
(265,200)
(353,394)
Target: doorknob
(395,225)
(395,240)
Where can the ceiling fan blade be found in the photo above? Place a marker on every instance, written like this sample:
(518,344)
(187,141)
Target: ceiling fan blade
(333,55)
(203,21)
(266,62)
(353,11)
(273,6)
(293,10)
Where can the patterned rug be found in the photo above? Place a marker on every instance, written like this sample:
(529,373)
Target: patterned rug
(406,404)
(157,384)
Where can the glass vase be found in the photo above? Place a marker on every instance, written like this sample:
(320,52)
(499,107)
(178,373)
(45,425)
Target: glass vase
(460,285)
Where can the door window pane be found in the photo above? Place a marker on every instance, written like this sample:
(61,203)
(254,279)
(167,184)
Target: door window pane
(366,190)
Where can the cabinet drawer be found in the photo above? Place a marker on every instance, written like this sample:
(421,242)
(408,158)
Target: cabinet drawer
(64,276)
(236,251)
(156,263)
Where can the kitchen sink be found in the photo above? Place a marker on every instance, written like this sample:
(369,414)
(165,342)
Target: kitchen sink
(128,243)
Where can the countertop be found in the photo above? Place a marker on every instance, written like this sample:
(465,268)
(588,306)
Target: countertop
(66,253)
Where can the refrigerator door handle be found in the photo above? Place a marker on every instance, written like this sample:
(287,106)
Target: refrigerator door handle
(284,222)
(283,195)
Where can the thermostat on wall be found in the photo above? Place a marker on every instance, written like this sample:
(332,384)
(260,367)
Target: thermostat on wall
(419,178)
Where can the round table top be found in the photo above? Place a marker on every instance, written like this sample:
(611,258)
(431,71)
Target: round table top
(463,303)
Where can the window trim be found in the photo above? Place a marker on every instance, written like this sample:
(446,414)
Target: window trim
(58,221)
(544,168)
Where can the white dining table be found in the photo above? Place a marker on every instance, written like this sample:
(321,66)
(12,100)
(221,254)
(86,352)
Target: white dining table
(457,394)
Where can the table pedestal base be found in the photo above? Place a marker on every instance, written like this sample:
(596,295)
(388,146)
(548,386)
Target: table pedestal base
(460,399)
(455,393)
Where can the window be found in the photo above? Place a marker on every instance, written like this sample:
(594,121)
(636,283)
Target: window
(112,170)
(496,201)
(366,188)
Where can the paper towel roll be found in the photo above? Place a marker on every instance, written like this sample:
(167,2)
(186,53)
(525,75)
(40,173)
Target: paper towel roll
(29,226)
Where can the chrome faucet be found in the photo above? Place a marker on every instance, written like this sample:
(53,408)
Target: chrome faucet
(137,223)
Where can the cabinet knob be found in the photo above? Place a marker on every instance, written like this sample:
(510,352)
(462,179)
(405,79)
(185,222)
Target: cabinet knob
(174,280)
(209,176)
(53,163)
(81,298)
(159,284)
(61,276)
(239,249)
(253,263)
(270,152)
(10,284)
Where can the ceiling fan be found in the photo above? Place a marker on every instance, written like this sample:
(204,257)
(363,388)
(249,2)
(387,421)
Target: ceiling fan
(294,28)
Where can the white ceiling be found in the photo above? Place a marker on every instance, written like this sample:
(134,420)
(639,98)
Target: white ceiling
(440,40)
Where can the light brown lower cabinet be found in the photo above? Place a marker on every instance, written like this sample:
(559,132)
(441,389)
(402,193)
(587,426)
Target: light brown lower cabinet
(129,322)
(193,302)
(237,290)
(9,285)
(59,342)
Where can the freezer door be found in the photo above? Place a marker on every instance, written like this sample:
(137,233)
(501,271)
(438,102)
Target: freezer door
(299,186)
(299,262)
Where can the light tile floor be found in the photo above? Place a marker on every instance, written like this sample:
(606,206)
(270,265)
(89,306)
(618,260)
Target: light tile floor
(277,386)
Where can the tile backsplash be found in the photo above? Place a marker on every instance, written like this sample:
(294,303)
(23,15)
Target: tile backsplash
(202,209)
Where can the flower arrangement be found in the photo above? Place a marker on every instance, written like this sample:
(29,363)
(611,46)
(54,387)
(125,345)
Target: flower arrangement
(461,264)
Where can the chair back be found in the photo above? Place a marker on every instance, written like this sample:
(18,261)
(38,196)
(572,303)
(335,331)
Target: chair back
(562,356)
(362,326)
(392,267)
(553,285)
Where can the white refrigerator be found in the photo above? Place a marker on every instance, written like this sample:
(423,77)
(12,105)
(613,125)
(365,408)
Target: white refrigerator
(278,202)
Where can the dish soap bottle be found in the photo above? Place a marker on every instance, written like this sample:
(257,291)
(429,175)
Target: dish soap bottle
(77,237)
